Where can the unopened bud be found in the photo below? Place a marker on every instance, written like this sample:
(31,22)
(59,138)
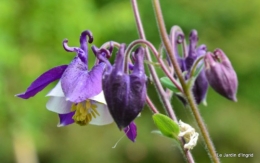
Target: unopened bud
(220,74)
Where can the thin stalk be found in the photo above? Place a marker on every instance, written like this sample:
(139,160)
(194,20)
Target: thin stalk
(151,105)
(155,77)
(164,68)
(187,92)
(157,82)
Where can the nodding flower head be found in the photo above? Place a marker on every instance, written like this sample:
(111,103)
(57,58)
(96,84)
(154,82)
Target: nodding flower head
(200,86)
(220,74)
(125,94)
(186,62)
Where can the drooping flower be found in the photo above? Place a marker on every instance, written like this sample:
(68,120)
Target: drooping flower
(200,86)
(78,97)
(125,94)
(221,74)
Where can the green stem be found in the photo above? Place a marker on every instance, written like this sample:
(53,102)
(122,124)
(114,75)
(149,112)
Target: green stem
(187,92)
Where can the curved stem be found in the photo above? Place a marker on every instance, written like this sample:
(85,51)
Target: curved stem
(108,44)
(194,66)
(154,75)
(164,68)
(166,42)
(157,82)
(187,92)
(151,105)
(169,67)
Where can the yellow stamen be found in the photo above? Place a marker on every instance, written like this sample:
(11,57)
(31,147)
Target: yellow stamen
(93,114)
(88,104)
(73,107)
(84,112)
(95,111)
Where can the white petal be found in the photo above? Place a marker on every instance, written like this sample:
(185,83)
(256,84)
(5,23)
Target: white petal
(99,98)
(56,91)
(104,117)
(58,105)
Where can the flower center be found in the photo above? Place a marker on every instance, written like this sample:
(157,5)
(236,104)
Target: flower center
(85,111)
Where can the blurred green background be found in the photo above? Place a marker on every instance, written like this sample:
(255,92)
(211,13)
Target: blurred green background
(31,33)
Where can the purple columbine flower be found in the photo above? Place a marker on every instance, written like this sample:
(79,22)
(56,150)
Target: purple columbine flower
(200,86)
(78,96)
(220,74)
(125,94)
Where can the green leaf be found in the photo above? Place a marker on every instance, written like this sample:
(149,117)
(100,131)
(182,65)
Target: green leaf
(166,82)
(166,125)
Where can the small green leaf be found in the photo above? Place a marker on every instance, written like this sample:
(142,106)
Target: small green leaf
(168,84)
(166,125)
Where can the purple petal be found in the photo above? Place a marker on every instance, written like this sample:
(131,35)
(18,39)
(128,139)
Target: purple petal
(200,87)
(42,81)
(131,131)
(66,119)
(193,44)
(79,84)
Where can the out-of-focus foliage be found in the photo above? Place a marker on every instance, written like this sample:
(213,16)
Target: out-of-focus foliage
(31,33)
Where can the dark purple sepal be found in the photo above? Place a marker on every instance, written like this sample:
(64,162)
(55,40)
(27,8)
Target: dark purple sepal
(200,87)
(125,94)
(42,81)
(79,84)
(66,119)
(131,131)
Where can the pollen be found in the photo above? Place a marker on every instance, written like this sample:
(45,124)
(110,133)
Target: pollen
(84,112)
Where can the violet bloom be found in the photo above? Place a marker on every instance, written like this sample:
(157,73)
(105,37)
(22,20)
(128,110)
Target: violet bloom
(221,75)
(125,94)
(78,96)
(200,86)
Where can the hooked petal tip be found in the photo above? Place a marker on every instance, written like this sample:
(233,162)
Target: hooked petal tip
(83,36)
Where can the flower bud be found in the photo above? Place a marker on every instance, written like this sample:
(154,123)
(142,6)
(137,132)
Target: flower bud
(125,94)
(220,74)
